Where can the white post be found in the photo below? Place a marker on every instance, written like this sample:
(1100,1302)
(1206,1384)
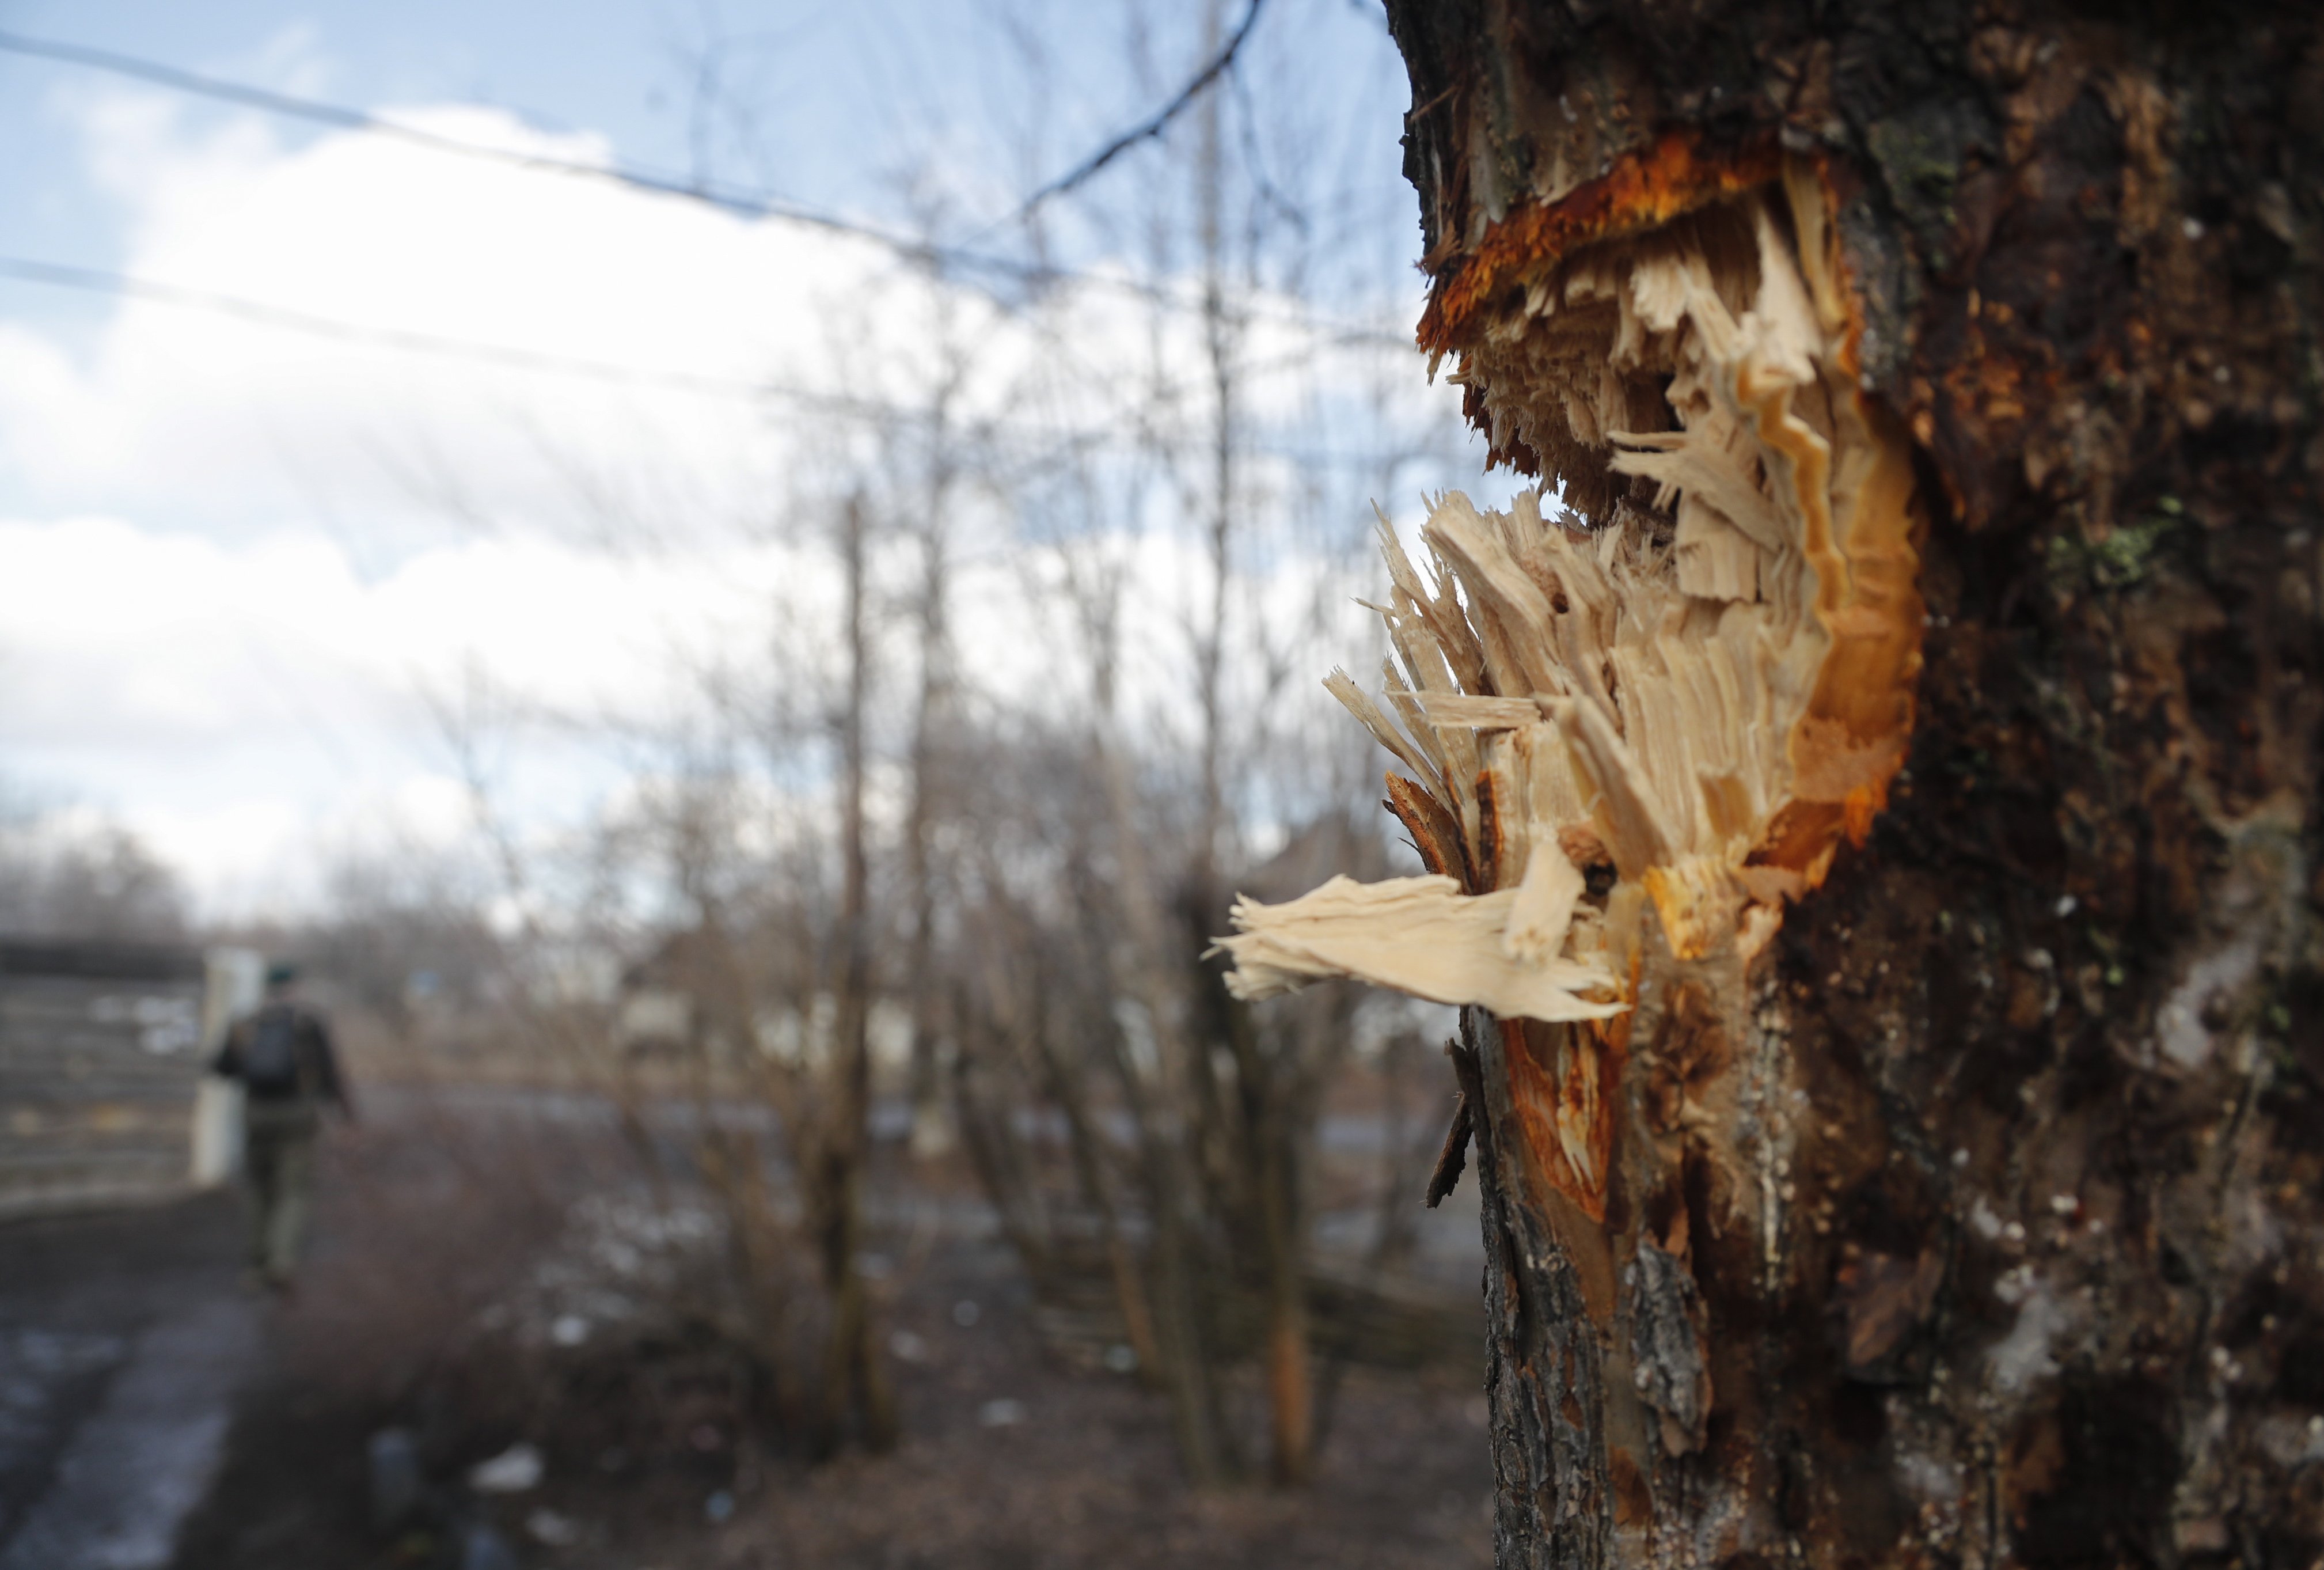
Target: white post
(235,981)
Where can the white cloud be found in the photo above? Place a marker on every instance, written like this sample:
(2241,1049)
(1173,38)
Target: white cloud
(240,703)
(236,701)
(243,555)
(181,640)
(234,423)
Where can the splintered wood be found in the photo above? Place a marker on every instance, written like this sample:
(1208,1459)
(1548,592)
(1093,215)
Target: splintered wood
(1421,936)
(1703,680)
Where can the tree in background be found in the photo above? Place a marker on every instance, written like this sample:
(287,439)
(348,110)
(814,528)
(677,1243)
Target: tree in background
(867,817)
(1165,548)
(60,877)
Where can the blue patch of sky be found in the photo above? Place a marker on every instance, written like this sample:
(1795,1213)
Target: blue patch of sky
(942,111)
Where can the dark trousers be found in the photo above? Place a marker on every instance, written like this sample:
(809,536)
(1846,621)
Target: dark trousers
(279,1163)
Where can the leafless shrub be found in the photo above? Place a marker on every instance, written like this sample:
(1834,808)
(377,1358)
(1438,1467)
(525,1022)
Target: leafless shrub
(64,876)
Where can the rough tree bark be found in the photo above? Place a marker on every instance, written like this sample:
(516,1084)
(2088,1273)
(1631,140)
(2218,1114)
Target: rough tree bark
(1975,1218)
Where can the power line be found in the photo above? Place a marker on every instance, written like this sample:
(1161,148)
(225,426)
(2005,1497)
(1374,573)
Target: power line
(648,182)
(340,117)
(96,280)
(236,308)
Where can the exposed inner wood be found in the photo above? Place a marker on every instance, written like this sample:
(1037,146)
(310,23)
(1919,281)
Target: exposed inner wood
(1421,936)
(1705,680)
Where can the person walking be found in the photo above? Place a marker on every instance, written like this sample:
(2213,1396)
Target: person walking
(281,1053)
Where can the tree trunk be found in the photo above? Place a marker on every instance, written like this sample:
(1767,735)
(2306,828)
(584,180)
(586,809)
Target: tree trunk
(1206,1444)
(855,1381)
(932,1131)
(1290,1379)
(1974,1216)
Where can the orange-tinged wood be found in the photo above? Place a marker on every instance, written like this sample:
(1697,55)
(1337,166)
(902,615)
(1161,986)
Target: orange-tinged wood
(1433,832)
(1676,175)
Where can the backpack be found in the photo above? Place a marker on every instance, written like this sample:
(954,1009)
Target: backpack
(270,1059)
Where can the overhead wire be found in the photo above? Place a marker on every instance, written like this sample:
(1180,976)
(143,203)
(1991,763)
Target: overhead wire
(649,182)
(341,117)
(100,280)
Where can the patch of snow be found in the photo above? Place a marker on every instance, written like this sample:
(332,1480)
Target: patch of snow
(513,1471)
(557,1531)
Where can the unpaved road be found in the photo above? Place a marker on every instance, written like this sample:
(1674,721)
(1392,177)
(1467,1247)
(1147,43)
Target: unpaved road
(124,1337)
(153,1414)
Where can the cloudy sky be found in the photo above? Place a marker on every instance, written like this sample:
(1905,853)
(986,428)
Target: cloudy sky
(249,567)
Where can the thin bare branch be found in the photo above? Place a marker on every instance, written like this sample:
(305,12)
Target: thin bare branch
(1151,127)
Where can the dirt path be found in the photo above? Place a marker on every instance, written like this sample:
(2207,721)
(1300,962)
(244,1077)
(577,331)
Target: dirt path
(124,1338)
(145,1404)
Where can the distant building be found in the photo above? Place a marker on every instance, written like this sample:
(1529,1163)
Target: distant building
(658,1015)
(102,1049)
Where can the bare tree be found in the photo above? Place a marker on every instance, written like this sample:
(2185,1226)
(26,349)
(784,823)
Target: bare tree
(1164,459)
(61,879)
(1217,1100)
(854,1382)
